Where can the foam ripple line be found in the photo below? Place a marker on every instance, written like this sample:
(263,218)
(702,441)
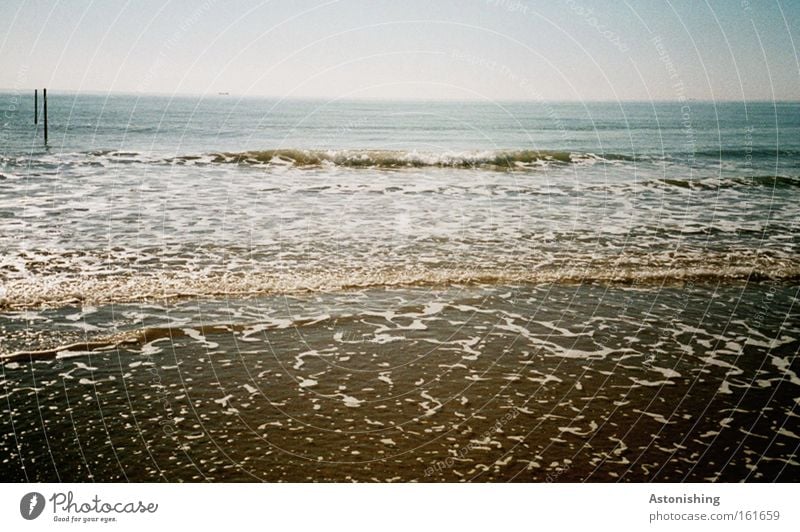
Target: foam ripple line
(56,291)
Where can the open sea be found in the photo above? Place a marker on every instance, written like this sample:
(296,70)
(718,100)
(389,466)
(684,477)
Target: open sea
(242,289)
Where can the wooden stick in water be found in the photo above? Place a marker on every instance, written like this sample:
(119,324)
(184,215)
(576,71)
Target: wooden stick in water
(44,96)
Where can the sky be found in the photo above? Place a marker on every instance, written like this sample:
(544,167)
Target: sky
(412,49)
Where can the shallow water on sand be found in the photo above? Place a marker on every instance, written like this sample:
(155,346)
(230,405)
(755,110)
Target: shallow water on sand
(522,383)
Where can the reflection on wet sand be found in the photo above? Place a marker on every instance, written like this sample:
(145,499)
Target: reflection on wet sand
(519,383)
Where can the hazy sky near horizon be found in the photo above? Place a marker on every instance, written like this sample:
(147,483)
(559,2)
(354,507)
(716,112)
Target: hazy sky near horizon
(444,49)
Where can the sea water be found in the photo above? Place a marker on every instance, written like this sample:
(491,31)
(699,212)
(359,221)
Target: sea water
(229,288)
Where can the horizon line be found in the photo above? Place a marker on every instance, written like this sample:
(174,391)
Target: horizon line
(234,95)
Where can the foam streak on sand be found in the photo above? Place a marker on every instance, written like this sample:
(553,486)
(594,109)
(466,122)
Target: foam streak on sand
(33,292)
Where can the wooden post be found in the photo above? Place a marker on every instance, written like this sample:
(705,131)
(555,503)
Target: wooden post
(35,106)
(44,97)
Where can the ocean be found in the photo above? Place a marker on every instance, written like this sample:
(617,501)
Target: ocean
(241,289)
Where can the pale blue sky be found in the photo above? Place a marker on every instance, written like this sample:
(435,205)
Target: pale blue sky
(468,49)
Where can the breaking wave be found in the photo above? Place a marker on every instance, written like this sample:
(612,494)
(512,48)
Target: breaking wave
(349,158)
(769,181)
(507,159)
(503,159)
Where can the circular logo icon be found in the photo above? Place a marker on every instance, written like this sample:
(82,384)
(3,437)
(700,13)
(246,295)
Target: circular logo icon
(31,505)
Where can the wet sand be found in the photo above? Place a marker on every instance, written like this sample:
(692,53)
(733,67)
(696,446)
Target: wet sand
(493,383)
